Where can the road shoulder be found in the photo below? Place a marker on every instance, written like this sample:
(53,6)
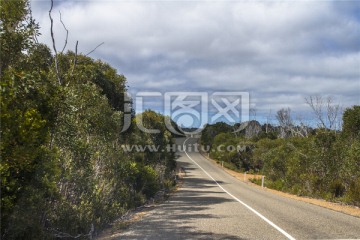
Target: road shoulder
(119,226)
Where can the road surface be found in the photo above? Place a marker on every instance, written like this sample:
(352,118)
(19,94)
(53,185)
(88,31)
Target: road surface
(211,204)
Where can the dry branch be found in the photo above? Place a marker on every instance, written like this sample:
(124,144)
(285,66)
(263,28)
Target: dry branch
(94,49)
(67,33)
(54,46)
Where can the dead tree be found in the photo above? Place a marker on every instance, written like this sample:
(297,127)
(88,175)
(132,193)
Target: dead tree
(325,110)
(285,122)
(56,59)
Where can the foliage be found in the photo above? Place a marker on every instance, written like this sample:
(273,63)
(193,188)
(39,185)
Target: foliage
(210,131)
(325,164)
(351,119)
(63,171)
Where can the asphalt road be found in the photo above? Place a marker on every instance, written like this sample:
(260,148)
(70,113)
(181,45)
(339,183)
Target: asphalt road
(211,204)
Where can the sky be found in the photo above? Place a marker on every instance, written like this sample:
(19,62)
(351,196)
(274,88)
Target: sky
(278,51)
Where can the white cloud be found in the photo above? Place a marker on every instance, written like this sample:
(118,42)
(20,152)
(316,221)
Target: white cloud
(282,50)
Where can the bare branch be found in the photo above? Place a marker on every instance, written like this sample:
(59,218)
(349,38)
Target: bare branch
(54,46)
(326,112)
(332,113)
(94,49)
(285,122)
(316,103)
(67,33)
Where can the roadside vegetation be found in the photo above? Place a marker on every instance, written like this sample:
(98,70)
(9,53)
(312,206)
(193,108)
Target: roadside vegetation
(63,171)
(321,162)
(64,174)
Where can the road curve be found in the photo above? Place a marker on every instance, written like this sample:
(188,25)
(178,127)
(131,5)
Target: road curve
(211,204)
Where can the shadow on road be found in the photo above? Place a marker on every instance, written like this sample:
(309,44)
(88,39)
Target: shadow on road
(174,219)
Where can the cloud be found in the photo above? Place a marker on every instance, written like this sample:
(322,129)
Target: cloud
(279,51)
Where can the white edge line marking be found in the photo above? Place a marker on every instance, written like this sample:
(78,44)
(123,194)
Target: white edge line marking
(235,198)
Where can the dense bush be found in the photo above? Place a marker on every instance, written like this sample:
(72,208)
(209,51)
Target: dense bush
(63,170)
(324,164)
